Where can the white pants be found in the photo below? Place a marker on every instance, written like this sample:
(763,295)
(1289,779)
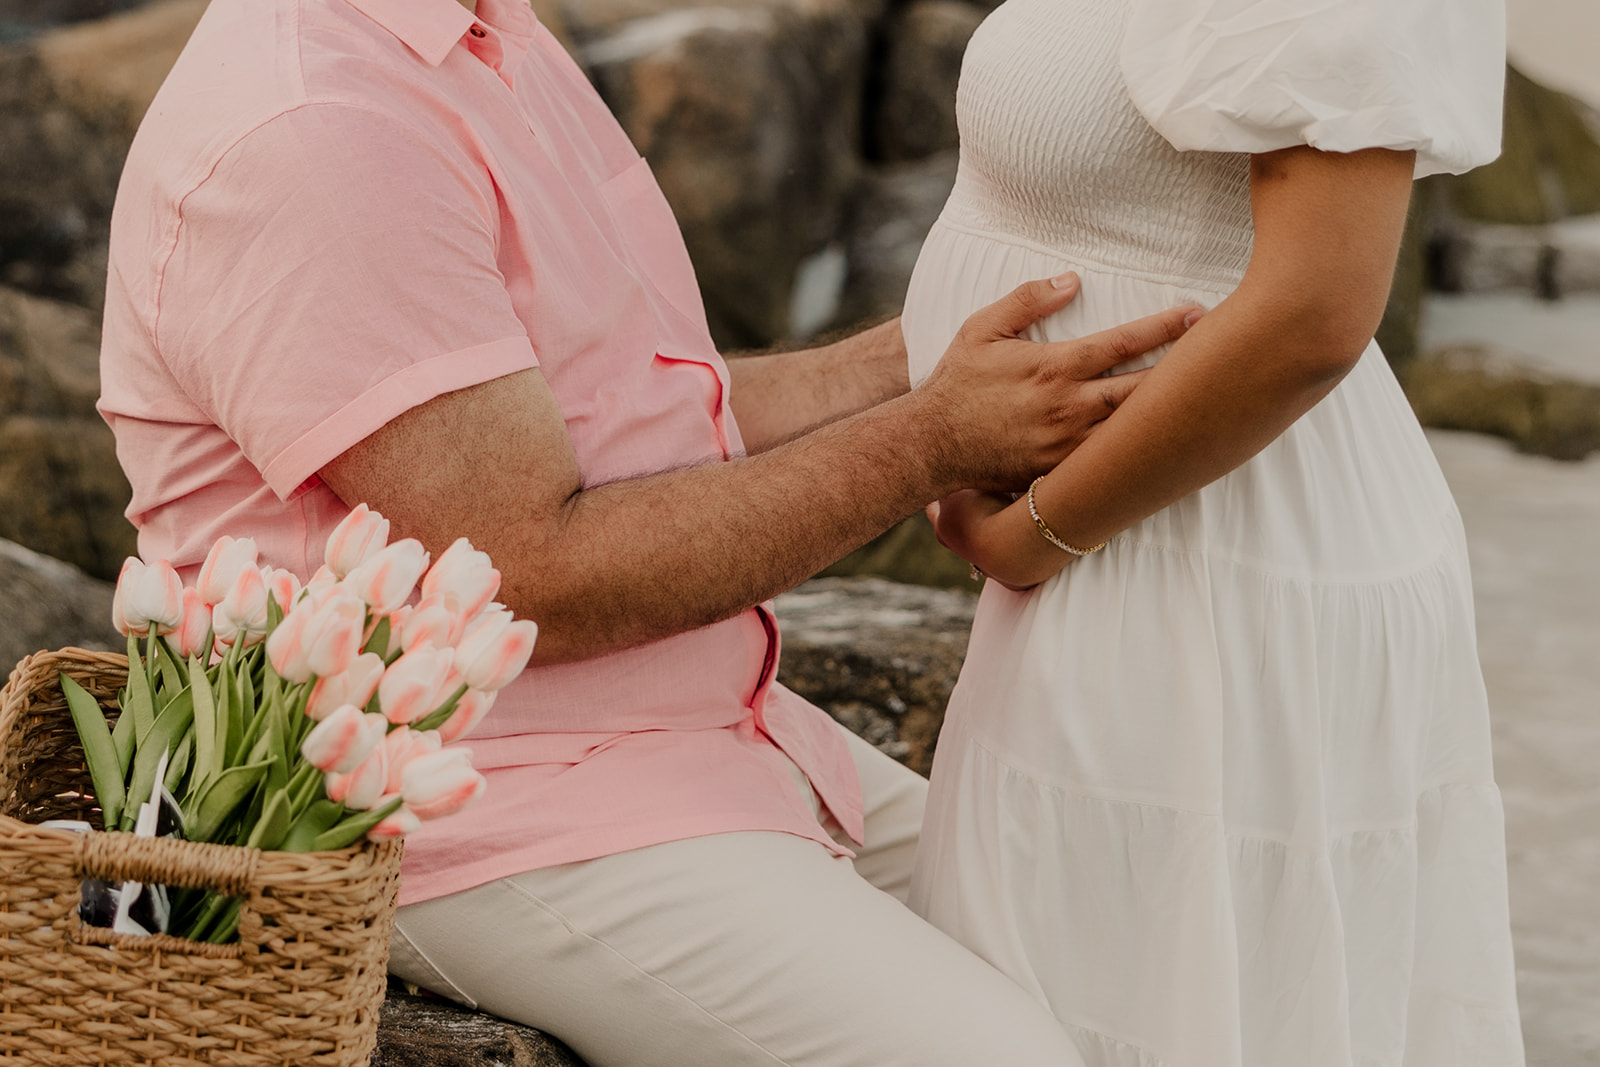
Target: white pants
(743,948)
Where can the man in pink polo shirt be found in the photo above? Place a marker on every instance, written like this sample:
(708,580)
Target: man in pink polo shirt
(397,251)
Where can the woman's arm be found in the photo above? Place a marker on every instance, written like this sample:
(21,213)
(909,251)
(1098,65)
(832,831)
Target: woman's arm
(1327,232)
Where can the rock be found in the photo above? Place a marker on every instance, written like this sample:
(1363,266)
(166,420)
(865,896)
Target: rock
(1549,167)
(46,604)
(63,491)
(749,113)
(1475,389)
(889,217)
(909,552)
(70,101)
(878,656)
(425,1031)
(914,115)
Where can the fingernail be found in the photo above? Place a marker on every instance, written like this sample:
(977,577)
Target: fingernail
(1064,281)
(1193,317)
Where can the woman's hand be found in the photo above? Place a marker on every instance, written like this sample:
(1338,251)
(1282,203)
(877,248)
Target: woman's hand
(982,529)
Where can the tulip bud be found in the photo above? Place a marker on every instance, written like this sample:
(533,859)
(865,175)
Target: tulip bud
(282,586)
(333,636)
(397,824)
(368,779)
(189,639)
(148,596)
(466,572)
(436,620)
(242,615)
(359,536)
(385,580)
(471,709)
(404,745)
(342,741)
(441,783)
(417,683)
(223,563)
(286,645)
(355,685)
(495,649)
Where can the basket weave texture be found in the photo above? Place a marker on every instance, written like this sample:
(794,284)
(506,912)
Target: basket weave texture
(303,986)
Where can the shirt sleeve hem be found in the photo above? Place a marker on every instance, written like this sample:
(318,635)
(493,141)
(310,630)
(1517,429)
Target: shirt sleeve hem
(393,396)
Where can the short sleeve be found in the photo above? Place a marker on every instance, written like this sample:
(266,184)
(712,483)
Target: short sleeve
(1339,75)
(336,269)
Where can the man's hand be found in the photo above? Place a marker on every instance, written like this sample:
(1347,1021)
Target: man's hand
(607,567)
(1012,409)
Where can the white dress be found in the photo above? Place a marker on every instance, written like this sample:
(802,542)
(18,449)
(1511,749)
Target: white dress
(1221,794)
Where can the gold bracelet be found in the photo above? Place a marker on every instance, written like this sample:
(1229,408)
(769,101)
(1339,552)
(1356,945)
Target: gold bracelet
(1049,534)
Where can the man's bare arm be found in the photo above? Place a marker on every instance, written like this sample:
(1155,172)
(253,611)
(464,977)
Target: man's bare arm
(602,568)
(776,398)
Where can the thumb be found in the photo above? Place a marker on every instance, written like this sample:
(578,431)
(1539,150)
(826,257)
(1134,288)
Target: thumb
(1023,306)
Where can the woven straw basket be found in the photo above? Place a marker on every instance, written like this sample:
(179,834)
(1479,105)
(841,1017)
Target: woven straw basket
(303,985)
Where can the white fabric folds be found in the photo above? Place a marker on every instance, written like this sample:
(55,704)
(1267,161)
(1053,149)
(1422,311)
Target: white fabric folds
(1339,75)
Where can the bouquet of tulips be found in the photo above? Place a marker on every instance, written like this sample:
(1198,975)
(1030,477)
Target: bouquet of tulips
(264,714)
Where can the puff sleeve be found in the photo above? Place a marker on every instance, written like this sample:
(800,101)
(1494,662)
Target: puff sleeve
(1339,75)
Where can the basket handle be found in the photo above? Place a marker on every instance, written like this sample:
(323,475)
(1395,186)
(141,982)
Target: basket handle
(121,857)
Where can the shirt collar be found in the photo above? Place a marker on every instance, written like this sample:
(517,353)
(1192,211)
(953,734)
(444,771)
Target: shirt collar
(430,28)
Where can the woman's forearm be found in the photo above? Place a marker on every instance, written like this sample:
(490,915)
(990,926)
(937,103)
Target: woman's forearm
(1327,232)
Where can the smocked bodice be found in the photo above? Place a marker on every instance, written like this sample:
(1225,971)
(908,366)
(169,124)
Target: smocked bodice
(1054,153)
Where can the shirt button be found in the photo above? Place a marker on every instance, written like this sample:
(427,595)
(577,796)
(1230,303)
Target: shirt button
(478,31)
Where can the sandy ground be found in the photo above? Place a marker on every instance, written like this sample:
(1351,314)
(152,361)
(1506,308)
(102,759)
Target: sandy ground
(1533,526)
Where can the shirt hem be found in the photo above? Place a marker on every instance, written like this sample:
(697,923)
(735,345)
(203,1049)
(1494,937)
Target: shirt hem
(458,877)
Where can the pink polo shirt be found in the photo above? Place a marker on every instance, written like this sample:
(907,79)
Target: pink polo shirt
(336,210)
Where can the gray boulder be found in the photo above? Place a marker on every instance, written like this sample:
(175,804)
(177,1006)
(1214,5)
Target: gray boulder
(46,604)
(879,656)
(888,218)
(750,115)
(63,491)
(424,1031)
(915,111)
(70,100)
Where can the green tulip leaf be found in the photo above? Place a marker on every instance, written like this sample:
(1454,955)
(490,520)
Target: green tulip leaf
(220,799)
(122,735)
(140,700)
(179,765)
(351,830)
(169,730)
(273,825)
(312,823)
(99,751)
(379,641)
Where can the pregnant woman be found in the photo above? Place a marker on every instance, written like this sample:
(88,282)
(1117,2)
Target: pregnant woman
(1215,784)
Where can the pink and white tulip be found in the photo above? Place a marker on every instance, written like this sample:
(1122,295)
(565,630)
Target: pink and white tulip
(385,580)
(366,785)
(333,637)
(223,563)
(343,741)
(359,536)
(319,640)
(354,685)
(398,824)
(471,709)
(149,597)
(417,683)
(495,649)
(436,620)
(189,639)
(465,572)
(282,586)
(441,783)
(241,617)
(404,745)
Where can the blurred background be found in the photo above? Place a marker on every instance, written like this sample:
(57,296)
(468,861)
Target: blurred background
(806,147)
